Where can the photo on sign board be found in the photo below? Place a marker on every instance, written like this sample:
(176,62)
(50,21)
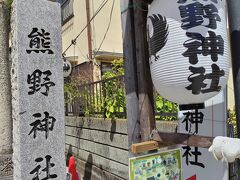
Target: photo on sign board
(166,165)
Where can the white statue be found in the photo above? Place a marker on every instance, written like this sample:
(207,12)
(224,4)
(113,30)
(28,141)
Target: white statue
(225,148)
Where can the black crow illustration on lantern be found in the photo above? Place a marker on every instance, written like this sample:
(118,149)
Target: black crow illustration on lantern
(67,68)
(159,35)
(188,49)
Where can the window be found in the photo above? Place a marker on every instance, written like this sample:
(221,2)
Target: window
(67,10)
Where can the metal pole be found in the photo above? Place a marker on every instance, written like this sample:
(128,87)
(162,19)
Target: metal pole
(89,30)
(234,26)
(89,35)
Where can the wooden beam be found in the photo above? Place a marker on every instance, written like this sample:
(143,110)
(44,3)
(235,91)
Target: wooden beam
(163,139)
(145,146)
(129,52)
(145,86)
(184,139)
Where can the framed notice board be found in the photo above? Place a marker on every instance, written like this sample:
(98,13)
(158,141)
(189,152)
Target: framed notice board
(165,165)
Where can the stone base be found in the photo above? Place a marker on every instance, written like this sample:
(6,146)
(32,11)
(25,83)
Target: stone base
(7,178)
(6,167)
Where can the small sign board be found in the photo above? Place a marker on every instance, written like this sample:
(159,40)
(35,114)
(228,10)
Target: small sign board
(159,166)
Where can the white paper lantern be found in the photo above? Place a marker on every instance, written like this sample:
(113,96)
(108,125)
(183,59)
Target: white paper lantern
(67,68)
(189,48)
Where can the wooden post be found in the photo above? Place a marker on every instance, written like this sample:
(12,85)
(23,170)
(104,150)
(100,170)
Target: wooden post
(5,90)
(145,86)
(89,33)
(130,72)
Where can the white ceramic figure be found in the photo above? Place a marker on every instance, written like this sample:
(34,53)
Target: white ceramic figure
(225,148)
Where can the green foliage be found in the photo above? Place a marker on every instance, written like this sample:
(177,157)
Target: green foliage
(72,92)
(115,100)
(233,120)
(111,97)
(9,5)
(112,91)
(117,69)
(165,106)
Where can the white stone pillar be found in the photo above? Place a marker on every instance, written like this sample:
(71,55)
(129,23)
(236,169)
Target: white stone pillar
(37,90)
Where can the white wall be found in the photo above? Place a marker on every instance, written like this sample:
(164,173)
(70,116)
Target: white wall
(113,41)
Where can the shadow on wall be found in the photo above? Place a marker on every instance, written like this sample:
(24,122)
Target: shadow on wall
(88,168)
(113,129)
(69,154)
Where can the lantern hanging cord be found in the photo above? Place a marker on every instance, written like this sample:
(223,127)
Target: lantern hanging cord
(104,2)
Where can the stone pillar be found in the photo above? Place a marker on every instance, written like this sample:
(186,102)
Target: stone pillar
(37,91)
(5,97)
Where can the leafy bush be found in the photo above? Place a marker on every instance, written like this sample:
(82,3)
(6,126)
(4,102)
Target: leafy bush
(112,93)
(115,99)
(71,90)
(166,107)
(233,120)
(9,4)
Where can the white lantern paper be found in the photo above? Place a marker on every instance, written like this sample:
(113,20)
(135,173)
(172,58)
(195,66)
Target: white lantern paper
(67,68)
(189,48)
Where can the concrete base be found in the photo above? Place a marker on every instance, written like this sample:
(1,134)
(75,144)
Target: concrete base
(6,167)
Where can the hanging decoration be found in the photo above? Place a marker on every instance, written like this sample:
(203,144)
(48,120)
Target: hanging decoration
(188,49)
(67,68)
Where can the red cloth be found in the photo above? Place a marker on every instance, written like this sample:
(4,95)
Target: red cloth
(72,168)
(192,178)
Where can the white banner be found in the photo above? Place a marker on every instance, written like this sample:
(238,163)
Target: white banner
(198,163)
